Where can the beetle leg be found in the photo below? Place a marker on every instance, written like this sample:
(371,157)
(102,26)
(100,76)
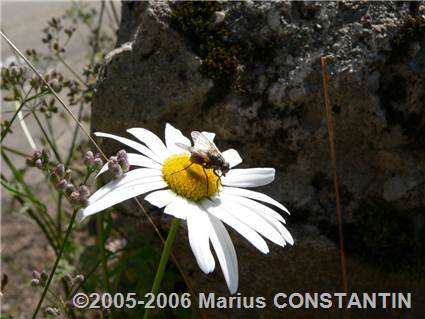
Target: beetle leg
(191,163)
(218,179)
(206,176)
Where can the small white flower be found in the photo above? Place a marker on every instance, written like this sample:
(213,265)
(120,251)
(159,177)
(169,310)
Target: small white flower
(183,192)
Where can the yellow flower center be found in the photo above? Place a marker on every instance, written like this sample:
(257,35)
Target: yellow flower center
(188,179)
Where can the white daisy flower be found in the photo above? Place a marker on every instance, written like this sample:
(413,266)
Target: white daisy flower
(198,195)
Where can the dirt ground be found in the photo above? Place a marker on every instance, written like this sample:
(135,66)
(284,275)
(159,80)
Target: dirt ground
(24,249)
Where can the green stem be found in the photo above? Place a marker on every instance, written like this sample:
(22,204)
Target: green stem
(59,214)
(40,207)
(114,12)
(48,121)
(6,130)
(46,288)
(81,109)
(46,136)
(75,74)
(14,151)
(164,258)
(101,245)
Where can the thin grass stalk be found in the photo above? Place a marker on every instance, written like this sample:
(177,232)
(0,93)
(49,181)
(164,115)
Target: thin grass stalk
(52,273)
(329,121)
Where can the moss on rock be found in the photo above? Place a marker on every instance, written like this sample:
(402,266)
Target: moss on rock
(220,59)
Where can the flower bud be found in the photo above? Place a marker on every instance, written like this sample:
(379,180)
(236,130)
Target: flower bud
(14,70)
(79,279)
(60,170)
(114,167)
(112,161)
(98,163)
(45,154)
(43,277)
(54,179)
(89,158)
(35,282)
(36,274)
(36,155)
(35,82)
(67,175)
(122,155)
(122,159)
(75,198)
(39,164)
(84,191)
(52,311)
(56,86)
(69,189)
(62,184)
(22,69)
(68,278)
(116,170)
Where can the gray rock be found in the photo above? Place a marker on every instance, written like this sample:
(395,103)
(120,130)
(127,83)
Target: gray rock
(275,117)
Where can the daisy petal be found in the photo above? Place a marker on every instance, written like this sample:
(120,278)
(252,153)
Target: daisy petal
(254,195)
(272,217)
(225,252)
(135,160)
(178,207)
(173,136)
(120,194)
(161,198)
(199,238)
(210,136)
(251,219)
(139,176)
(137,146)
(151,140)
(280,228)
(251,235)
(248,177)
(232,157)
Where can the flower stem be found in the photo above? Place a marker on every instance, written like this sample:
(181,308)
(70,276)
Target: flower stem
(164,258)
(49,280)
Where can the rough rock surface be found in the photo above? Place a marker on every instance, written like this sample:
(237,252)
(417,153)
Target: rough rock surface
(274,115)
